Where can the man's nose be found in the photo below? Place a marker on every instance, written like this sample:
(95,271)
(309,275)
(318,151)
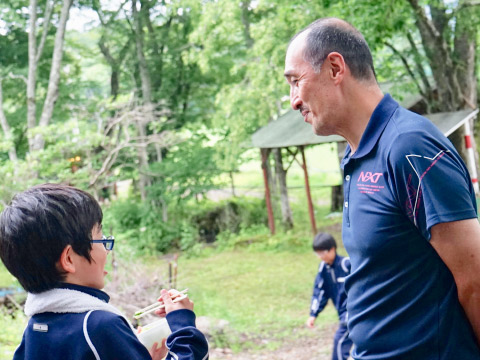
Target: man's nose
(295,101)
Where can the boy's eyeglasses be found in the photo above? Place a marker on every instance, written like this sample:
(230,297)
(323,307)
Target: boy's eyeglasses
(108,242)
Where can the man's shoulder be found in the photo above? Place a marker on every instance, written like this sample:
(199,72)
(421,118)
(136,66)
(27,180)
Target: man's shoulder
(410,133)
(404,121)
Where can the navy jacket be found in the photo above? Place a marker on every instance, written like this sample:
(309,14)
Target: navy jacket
(102,334)
(329,284)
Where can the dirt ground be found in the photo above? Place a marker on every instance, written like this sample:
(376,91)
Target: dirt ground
(308,348)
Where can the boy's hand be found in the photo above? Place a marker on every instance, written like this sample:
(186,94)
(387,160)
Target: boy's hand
(166,298)
(311,322)
(158,353)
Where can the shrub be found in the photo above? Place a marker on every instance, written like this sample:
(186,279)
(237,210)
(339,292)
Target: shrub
(231,215)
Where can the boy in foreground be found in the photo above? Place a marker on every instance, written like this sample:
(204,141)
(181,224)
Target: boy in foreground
(51,241)
(329,284)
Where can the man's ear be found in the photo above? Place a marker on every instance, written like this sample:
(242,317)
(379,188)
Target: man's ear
(337,66)
(66,261)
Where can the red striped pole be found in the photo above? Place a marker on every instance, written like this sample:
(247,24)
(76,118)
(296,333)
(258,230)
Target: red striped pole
(471,156)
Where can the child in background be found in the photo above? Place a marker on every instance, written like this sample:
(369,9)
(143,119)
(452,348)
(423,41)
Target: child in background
(51,240)
(329,284)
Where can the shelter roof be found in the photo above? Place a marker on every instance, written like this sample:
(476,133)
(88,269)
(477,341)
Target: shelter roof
(290,129)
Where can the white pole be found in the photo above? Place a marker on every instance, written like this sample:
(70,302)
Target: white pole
(471,156)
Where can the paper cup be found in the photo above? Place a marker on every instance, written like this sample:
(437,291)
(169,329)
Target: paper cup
(154,332)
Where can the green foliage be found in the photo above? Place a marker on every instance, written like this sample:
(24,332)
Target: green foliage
(10,332)
(139,226)
(187,171)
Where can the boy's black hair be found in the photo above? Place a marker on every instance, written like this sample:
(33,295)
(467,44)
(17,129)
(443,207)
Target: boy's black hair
(38,224)
(323,241)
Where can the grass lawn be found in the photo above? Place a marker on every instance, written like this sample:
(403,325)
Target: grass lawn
(254,291)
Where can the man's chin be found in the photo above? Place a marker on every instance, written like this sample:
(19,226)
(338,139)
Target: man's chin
(321,131)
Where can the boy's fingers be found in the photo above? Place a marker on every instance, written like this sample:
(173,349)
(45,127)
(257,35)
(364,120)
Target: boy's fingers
(172,292)
(166,297)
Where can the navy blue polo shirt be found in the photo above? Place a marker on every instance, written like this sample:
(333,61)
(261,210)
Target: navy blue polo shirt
(404,178)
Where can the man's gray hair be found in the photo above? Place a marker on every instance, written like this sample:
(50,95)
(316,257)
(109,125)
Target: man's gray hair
(328,35)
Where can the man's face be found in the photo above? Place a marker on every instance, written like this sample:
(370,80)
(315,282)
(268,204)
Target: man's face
(309,91)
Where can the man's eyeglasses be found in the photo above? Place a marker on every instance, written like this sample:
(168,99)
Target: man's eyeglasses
(108,242)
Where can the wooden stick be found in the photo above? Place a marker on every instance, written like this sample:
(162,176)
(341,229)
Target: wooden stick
(155,306)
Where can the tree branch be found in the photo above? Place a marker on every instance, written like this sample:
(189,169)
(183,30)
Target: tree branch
(422,17)
(21,77)
(134,142)
(467,5)
(54,80)
(418,62)
(407,67)
(46,24)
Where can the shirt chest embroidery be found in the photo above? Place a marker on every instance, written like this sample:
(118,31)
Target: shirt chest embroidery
(367,182)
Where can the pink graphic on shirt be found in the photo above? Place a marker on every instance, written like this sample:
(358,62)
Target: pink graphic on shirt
(367,182)
(411,204)
(413,201)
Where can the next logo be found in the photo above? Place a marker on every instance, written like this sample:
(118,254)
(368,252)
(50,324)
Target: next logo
(369,176)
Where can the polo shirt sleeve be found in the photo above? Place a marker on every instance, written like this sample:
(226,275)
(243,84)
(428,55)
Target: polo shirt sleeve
(429,180)
(113,338)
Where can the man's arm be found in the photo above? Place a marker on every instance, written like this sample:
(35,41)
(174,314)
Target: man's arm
(458,244)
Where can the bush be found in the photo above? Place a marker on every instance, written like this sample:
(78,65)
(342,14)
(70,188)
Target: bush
(231,215)
(141,224)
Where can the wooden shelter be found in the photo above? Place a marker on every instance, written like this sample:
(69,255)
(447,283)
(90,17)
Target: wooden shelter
(290,131)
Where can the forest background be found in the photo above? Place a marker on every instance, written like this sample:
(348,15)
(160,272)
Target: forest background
(150,106)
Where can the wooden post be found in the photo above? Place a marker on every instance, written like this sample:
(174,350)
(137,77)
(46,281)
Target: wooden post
(271,220)
(309,195)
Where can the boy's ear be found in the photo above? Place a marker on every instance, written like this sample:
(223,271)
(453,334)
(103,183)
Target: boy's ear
(66,260)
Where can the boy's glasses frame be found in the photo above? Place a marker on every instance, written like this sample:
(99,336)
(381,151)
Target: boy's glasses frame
(108,242)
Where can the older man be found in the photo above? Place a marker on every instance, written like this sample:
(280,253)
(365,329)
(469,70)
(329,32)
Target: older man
(409,219)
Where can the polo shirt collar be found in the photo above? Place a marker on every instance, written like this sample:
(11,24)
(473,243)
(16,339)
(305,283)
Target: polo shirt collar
(379,119)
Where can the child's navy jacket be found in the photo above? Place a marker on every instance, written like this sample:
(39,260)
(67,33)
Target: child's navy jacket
(329,284)
(77,323)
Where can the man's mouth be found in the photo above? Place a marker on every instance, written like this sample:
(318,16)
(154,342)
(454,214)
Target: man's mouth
(305,114)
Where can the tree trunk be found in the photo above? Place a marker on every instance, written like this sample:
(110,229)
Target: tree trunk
(287,218)
(12,152)
(268,168)
(54,80)
(232,183)
(34,55)
(453,67)
(144,179)
(337,191)
(147,100)
(32,71)
(142,63)
(464,52)
(246,23)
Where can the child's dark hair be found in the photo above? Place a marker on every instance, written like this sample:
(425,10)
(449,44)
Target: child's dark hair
(38,224)
(323,241)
